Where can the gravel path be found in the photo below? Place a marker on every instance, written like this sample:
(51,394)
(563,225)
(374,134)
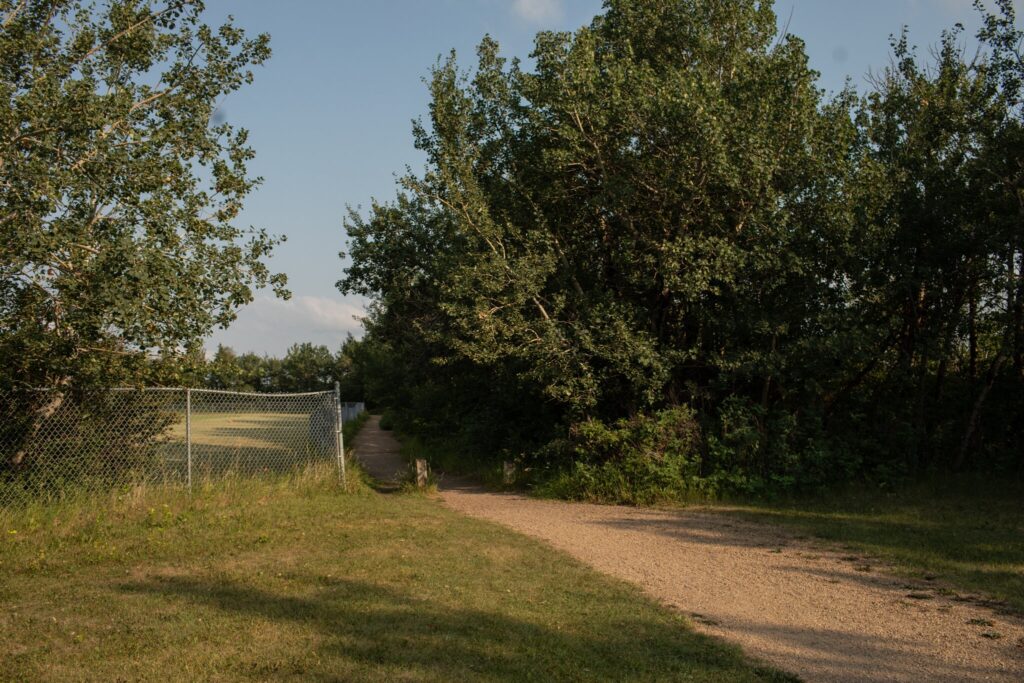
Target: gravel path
(818,612)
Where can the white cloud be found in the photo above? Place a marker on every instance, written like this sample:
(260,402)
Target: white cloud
(270,325)
(538,11)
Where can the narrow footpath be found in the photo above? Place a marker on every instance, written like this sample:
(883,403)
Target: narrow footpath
(377,451)
(804,607)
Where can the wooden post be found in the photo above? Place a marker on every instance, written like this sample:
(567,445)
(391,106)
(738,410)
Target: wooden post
(421,473)
(508,473)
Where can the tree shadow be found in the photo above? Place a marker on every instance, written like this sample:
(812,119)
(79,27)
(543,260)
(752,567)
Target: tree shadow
(844,656)
(700,527)
(368,627)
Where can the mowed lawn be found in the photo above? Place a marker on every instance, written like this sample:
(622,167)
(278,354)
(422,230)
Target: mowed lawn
(294,578)
(244,442)
(223,442)
(276,431)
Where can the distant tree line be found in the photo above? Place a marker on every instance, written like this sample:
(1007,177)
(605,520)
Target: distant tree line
(304,367)
(662,259)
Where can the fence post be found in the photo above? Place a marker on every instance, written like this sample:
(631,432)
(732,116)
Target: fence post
(338,431)
(188,435)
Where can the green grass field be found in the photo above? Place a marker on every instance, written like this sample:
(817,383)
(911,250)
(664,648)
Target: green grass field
(247,442)
(68,463)
(272,431)
(293,578)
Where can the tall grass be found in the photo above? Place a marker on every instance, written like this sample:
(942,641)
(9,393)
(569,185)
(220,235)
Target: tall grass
(93,516)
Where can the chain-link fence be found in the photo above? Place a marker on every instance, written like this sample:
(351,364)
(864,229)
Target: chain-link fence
(55,442)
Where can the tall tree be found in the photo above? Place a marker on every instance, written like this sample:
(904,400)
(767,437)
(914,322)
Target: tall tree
(667,210)
(307,367)
(625,226)
(225,371)
(119,188)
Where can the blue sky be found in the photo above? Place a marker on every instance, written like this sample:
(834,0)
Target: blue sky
(330,115)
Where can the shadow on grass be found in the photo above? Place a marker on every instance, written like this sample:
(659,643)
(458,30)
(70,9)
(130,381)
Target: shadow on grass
(974,551)
(978,549)
(367,627)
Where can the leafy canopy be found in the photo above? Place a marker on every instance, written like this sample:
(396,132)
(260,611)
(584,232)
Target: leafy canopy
(667,212)
(119,185)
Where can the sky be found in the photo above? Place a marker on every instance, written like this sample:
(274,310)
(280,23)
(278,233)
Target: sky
(330,115)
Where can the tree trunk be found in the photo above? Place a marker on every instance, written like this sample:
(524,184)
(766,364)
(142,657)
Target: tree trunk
(39,416)
(972,335)
(1018,312)
(979,403)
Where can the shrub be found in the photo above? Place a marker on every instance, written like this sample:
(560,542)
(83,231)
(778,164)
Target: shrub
(640,460)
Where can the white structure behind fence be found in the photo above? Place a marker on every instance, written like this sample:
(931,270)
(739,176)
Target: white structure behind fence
(350,411)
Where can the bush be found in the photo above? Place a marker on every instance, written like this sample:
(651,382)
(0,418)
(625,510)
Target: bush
(743,451)
(642,460)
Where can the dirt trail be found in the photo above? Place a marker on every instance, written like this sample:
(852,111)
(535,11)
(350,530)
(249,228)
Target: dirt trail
(377,452)
(818,612)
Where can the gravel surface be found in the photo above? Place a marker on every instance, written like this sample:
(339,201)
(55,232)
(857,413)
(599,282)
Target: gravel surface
(819,612)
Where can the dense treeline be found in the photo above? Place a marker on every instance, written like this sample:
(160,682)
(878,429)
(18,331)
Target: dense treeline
(664,260)
(304,367)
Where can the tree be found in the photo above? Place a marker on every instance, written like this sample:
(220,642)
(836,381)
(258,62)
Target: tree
(349,369)
(307,367)
(119,188)
(920,278)
(225,371)
(666,220)
(620,229)
(254,371)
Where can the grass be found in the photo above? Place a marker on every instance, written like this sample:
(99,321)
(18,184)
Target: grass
(248,442)
(262,430)
(969,537)
(292,578)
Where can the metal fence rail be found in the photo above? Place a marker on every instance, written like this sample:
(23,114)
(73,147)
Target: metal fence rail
(54,442)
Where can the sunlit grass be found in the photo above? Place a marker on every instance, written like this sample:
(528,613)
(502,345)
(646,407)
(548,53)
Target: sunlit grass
(296,578)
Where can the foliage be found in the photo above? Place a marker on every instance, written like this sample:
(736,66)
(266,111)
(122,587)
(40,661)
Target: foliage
(304,367)
(638,461)
(666,213)
(119,187)
(94,439)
